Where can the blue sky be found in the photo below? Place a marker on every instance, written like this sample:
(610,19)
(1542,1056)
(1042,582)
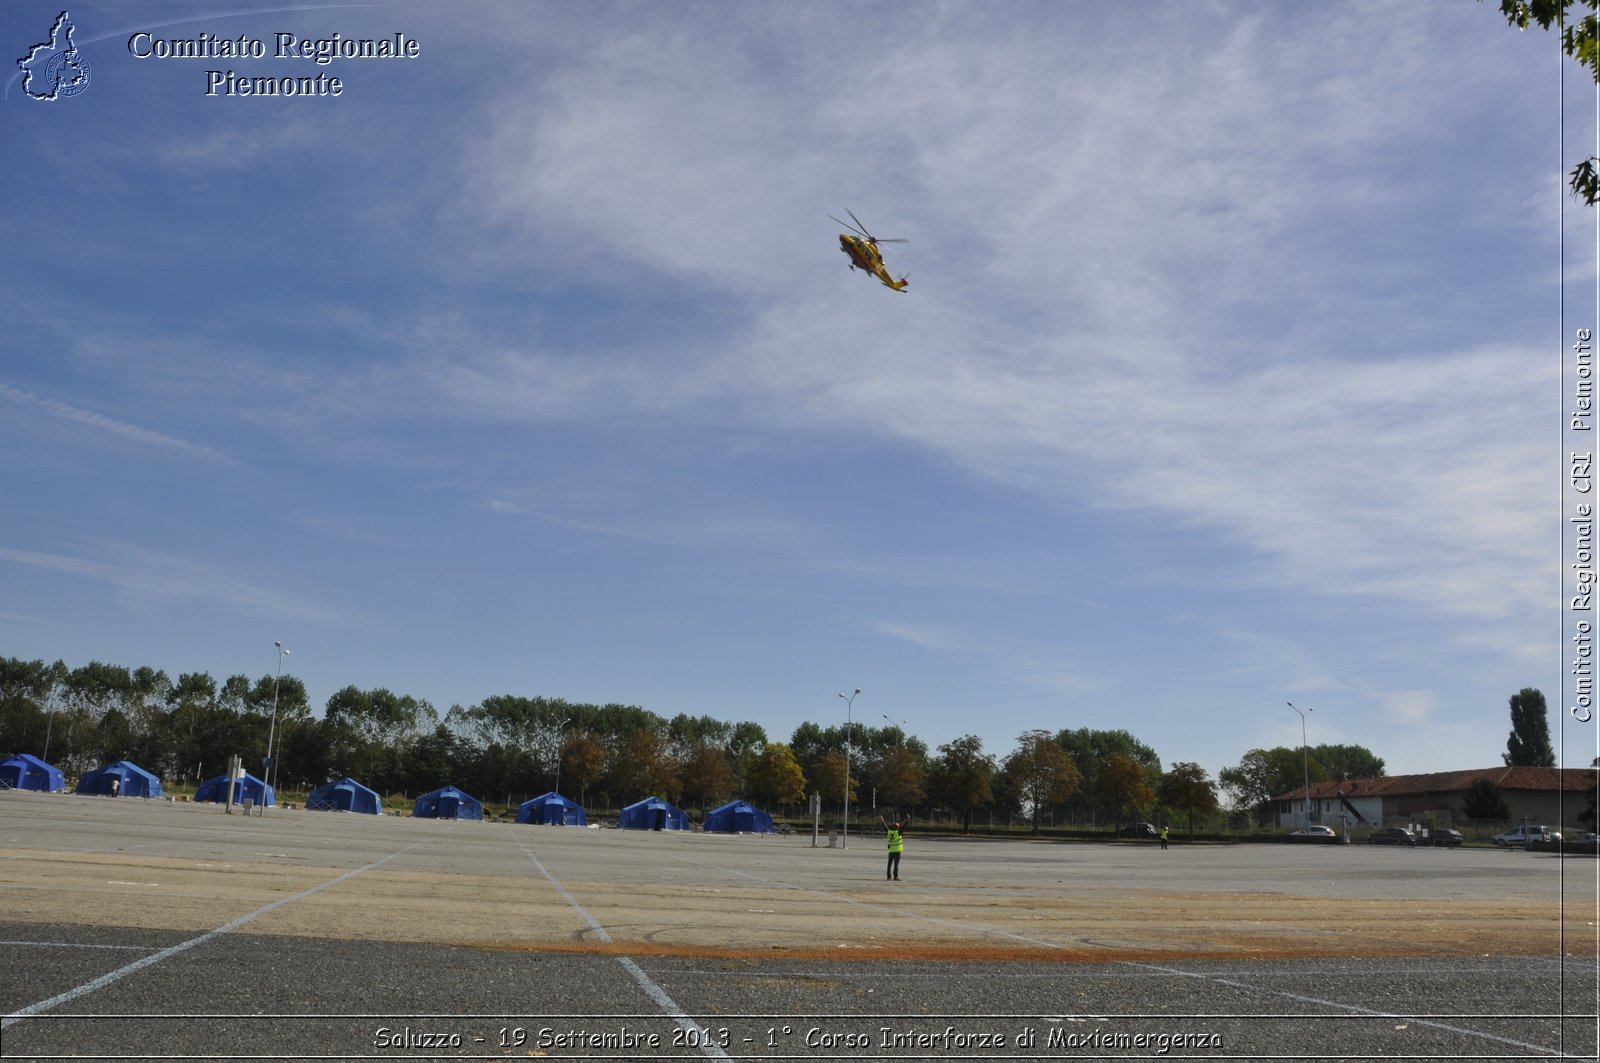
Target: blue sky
(1229,373)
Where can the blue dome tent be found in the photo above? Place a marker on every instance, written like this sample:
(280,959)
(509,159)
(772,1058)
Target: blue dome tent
(245,788)
(447,803)
(738,817)
(27,772)
(653,814)
(552,808)
(122,779)
(345,795)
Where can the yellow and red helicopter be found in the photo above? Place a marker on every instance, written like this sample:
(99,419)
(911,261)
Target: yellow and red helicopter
(863,251)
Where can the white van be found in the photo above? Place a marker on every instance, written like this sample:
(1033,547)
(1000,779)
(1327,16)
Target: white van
(1519,837)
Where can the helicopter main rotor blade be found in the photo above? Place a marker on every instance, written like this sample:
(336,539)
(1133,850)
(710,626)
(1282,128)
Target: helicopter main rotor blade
(852,228)
(862,230)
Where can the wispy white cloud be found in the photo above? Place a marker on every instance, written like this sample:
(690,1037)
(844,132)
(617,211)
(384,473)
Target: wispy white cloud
(1055,670)
(929,636)
(499,505)
(986,574)
(144,577)
(1097,244)
(33,621)
(113,426)
(1411,707)
(231,148)
(1272,656)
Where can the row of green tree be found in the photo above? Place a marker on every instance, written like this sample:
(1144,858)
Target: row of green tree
(185,730)
(1265,774)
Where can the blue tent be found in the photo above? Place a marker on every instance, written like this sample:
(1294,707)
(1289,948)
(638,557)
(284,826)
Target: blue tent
(447,803)
(345,795)
(738,817)
(246,788)
(27,772)
(554,809)
(122,779)
(653,814)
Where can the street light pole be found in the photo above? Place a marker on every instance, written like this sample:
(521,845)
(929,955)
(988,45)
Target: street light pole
(272,729)
(899,745)
(559,726)
(1305,757)
(849,703)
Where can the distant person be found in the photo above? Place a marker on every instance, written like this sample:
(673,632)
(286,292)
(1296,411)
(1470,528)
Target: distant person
(897,844)
(1163,835)
(116,785)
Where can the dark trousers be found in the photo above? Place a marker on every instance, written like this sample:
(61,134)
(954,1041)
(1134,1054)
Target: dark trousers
(894,866)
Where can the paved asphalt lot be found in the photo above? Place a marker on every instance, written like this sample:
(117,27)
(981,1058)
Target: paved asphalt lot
(161,930)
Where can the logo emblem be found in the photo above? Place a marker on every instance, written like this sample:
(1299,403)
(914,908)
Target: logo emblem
(55,69)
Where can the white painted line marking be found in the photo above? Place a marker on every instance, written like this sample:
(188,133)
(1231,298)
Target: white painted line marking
(122,972)
(653,991)
(1352,1008)
(1355,1009)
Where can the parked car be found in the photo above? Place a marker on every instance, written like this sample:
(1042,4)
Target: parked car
(1519,837)
(1139,830)
(1443,836)
(1313,834)
(1392,836)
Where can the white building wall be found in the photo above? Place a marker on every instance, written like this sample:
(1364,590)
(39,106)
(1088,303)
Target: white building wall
(1329,812)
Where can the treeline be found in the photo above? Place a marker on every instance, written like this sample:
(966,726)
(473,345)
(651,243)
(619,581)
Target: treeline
(186,729)
(607,755)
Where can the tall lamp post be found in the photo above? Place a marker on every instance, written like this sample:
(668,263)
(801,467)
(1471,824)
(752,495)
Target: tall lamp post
(901,745)
(849,703)
(559,727)
(272,729)
(1305,757)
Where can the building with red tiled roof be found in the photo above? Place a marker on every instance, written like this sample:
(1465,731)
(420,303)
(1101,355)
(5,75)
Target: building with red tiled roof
(1553,796)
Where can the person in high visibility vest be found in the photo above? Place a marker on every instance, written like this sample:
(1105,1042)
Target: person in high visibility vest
(1163,835)
(897,844)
